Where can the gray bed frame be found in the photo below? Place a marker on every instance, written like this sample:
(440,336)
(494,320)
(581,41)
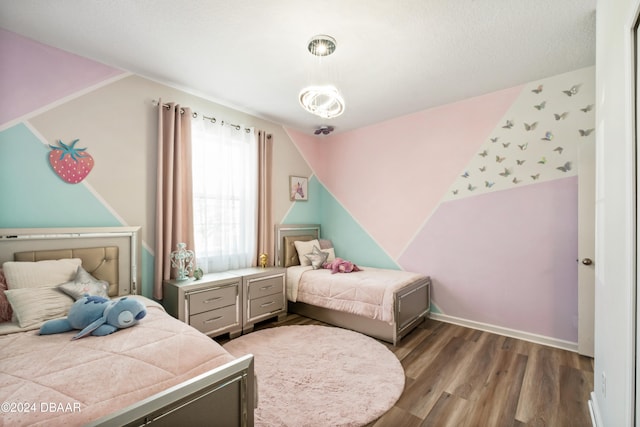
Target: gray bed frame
(411,303)
(222,396)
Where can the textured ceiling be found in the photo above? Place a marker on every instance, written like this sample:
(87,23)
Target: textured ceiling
(393,57)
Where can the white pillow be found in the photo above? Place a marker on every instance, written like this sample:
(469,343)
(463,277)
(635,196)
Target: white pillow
(304,248)
(26,274)
(331,254)
(36,305)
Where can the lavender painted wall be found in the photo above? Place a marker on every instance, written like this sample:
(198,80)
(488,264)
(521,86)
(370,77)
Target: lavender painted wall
(34,75)
(506,258)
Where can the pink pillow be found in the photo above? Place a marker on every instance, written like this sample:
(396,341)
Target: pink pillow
(325,243)
(5,307)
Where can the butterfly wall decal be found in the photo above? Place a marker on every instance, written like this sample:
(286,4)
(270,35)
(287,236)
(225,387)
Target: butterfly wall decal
(540,106)
(565,168)
(573,91)
(529,165)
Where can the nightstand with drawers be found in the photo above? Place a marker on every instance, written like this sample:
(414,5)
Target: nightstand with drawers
(212,304)
(264,296)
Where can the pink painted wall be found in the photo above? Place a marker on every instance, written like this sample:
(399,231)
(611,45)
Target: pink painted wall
(33,75)
(409,163)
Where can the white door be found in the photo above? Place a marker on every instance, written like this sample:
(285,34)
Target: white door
(586,244)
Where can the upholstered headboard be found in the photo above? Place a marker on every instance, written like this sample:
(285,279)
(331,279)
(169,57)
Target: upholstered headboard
(102,263)
(286,234)
(290,254)
(108,253)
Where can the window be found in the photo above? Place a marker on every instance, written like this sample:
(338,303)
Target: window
(225,176)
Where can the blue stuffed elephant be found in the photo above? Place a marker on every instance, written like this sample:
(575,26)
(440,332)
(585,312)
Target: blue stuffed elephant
(97,316)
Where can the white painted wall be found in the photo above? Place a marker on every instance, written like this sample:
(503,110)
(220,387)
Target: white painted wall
(614,403)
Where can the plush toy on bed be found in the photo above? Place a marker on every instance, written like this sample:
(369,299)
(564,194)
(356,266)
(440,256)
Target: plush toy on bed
(97,316)
(340,265)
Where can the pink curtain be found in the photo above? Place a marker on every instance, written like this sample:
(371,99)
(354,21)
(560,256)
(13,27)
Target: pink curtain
(174,195)
(265,222)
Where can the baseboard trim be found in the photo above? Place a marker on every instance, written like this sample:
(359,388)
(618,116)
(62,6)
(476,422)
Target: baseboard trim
(512,333)
(596,420)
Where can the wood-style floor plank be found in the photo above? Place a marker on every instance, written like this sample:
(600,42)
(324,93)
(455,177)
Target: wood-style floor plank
(457,376)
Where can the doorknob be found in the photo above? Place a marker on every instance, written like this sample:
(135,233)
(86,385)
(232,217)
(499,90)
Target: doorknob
(587,261)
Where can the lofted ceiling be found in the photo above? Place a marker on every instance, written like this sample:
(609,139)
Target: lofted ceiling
(392,58)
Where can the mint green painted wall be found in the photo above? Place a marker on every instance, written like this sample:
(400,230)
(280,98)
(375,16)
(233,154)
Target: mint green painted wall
(308,212)
(349,238)
(37,197)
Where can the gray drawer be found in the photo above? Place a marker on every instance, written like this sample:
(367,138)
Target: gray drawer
(215,319)
(211,299)
(266,304)
(266,286)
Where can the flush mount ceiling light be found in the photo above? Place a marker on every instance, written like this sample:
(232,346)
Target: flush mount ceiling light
(323,130)
(323,101)
(322,45)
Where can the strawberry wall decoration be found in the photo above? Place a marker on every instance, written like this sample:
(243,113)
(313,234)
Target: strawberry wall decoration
(70,163)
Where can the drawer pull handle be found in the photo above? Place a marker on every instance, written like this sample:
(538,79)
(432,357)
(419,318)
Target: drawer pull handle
(266,304)
(264,288)
(212,320)
(207,301)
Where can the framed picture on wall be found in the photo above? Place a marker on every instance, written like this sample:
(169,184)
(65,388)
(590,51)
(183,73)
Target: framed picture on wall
(298,188)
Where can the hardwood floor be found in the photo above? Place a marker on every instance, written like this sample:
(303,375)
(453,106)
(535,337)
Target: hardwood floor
(457,376)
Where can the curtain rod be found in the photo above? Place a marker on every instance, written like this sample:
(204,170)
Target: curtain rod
(195,115)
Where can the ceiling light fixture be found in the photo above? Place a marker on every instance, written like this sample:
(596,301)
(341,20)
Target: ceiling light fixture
(322,45)
(323,130)
(323,101)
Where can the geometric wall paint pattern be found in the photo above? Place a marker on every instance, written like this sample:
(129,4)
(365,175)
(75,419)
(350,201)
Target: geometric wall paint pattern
(537,140)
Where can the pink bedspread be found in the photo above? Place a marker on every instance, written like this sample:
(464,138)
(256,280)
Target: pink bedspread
(367,293)
(51,380)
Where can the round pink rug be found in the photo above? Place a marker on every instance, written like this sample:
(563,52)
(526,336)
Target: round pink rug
(311,375)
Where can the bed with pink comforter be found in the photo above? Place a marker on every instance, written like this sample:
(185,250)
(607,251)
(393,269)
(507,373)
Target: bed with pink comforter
(51,380)
(369,292)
